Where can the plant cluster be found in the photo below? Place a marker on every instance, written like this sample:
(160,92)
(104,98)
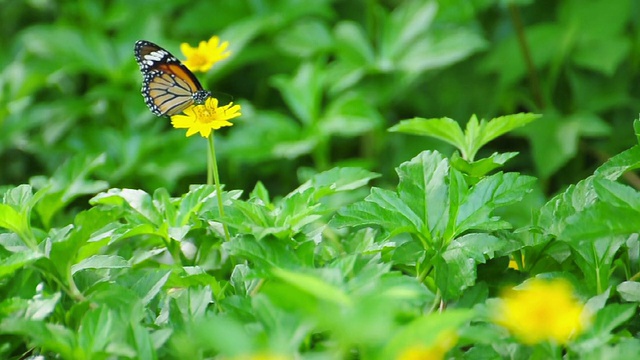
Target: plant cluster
(383,249)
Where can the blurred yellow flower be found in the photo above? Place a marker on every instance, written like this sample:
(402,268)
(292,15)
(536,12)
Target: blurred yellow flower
(445,342)
(543,310)
(205,118)
(205,55)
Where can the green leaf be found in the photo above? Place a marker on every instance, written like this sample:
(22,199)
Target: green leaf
(497,127)
(608,319)
(305,38)
(339,179)
(41,307)
(352,44)
(595,259)
(383,208)
(603,55)
(11,219)
(629,291)
(424,190)
(137,200)
(302,92)
(445,129)
(68,183)
(15,212)
(100,262)
(51,337)
(481,167)
(625,161)
(145,283)
(490,193)
(426,332)
(314,286)
(349,115)
(404,26)
(16,261)
(617,194)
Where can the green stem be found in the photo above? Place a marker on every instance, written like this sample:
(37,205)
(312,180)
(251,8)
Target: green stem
(534,80)
(213,172)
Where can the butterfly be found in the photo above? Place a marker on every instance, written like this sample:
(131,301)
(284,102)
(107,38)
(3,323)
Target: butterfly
(168,87)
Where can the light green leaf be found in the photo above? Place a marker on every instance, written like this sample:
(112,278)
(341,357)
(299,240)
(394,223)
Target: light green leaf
(16,261)
(349,115)
(137,200)
(353,47)
(68,183)
(625,161)
(617,194)
(302,92)
(305,38)
(490,193)
(426,331)
(423,188)
(383,208)
(629,291)
(499,126)
(41,307)
(445,129)
(314,286)
(481,167)
(100,262)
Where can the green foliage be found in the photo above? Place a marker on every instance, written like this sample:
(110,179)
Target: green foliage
(110,248)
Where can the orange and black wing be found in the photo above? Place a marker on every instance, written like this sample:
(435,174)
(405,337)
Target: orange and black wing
(168,87)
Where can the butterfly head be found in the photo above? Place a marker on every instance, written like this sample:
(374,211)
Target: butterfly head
(200,96)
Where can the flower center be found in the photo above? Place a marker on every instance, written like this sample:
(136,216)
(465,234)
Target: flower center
(204,114)
(198,59)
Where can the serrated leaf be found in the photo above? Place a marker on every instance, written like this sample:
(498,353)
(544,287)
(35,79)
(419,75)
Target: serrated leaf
(502,125)
(617,194)
(445,129)
(146,284)
(490,193)
(423,189)
(383,208)
(625,161)
(481,167)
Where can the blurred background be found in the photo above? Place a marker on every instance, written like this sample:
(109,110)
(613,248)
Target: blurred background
(319,82)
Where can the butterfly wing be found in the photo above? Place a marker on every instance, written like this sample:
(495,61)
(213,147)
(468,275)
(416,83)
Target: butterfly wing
(168,87)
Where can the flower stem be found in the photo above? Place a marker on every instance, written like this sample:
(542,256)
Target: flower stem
(213,172)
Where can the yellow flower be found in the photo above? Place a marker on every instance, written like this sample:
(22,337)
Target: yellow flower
(445,342)
(543,310)
(205,118)
(205,55)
